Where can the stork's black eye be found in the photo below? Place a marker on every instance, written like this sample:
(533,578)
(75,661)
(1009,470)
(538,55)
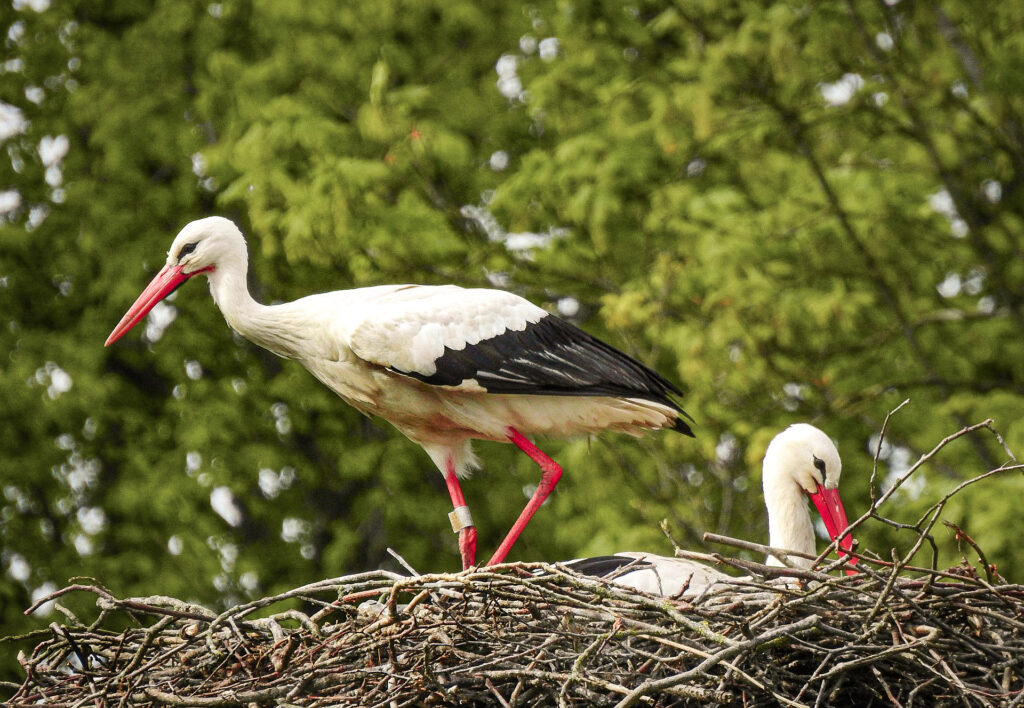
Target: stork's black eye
(187,249)
(820,464)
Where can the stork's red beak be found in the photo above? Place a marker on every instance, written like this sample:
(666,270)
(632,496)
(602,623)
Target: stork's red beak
(162,285)
(830,506)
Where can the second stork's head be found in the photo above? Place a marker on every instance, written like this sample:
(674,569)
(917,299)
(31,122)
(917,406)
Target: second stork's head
(802,462)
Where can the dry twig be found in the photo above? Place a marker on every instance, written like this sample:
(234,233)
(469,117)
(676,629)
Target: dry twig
(523,634)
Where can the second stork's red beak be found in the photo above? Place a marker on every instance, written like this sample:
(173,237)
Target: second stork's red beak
(830,506)
(162,285)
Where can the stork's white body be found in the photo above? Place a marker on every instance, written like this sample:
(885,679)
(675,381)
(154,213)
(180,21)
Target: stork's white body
(443,364)
(800,463)
(654,574)
(357,341)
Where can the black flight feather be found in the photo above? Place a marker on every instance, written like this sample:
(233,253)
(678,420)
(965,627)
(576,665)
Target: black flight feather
(604,566)
(553,358)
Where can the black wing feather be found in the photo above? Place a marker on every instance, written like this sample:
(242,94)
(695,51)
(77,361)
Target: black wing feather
(603,566)
(552,358)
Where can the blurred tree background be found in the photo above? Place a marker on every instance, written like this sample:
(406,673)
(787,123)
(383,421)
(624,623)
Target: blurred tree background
(796,211)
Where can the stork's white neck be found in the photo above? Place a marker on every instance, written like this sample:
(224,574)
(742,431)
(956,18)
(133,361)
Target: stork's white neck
(260,324)
(789,518)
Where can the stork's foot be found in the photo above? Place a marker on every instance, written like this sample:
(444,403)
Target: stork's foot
(467,546)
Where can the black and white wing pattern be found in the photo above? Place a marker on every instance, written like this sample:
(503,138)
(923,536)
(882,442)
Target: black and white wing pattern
(658,575)
(607,566)
(501,343)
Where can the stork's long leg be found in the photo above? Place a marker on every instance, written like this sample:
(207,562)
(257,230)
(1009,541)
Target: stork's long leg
(550,473)
(462,522)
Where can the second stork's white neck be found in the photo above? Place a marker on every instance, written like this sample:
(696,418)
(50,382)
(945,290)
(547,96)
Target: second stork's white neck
(789,518)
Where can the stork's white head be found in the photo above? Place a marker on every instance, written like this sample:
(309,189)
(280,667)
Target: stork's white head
(802,460)
(213,246)
(205,244)
(802,455)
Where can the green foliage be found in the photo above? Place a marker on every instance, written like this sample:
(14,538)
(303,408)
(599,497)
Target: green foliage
(799,213)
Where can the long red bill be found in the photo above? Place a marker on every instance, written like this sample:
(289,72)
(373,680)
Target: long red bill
(830,506)
(162,285)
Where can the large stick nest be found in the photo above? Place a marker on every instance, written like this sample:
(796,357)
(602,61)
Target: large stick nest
(529,634)
(524,634)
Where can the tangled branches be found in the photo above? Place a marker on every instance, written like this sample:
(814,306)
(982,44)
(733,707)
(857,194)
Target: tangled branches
(524,634)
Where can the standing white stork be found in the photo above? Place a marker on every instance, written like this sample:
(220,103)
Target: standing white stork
(800,462)
(443,364)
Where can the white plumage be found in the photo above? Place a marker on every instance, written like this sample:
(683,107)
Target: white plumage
(443,364)
(801,462)
(654,574)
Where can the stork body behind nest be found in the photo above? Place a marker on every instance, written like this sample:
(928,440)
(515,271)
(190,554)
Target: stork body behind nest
(801,462)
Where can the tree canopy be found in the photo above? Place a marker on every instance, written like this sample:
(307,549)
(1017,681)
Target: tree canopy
(796,211)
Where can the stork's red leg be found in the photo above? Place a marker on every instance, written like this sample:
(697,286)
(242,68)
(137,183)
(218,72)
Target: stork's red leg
(550,473)
(460,518)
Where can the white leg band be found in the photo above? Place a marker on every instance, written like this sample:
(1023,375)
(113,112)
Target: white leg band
(460,518)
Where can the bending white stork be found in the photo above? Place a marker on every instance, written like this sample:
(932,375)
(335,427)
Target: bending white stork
(443,364)
(800,462)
